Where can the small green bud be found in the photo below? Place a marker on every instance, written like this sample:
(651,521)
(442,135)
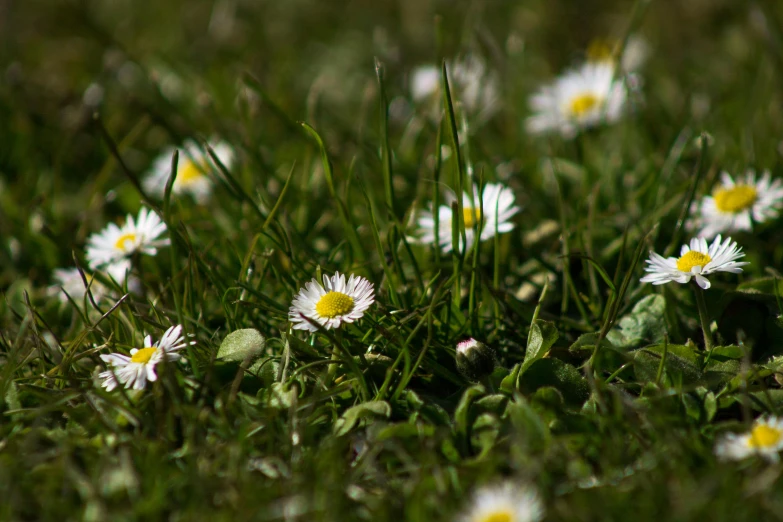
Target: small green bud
(475,360)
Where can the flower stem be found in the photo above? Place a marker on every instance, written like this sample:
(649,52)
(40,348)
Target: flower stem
(704,317)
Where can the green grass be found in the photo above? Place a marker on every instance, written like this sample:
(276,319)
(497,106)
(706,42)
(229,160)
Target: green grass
(603,396)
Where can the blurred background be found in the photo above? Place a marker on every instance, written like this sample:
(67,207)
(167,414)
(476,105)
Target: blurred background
(154,73)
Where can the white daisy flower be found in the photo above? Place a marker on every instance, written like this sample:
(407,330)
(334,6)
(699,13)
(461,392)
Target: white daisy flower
(496,210)
(193,166)
(633,58)
(507,502)
(579,99)
(764,439)
(695,261)
(110,248)
(471,83)
(134,371)
(331,304)
(69,281)
(737,205)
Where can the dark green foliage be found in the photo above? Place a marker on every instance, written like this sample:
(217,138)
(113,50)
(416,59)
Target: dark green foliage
(588,384)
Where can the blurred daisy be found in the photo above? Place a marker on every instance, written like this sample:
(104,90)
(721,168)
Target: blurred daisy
(192,170)
(737,205)
(134,371)
(506,502)
(634,55)
(331,304)
(110,248)
(471,83)
(579,99)
(695,261)
(764,439)
(493,210)
(69,282)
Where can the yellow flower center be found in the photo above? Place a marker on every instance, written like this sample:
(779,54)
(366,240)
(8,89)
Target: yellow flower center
(123,239)
(333,304)
(144,355)
(498,516)
(601,50)
(763,436)
(471,216)
(582,104)
(735,199)
(691,259)
(190,172)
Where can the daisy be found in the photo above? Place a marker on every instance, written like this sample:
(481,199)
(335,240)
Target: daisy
(765,439)
(68,282)
(136,370)
(633,58)
(192,170)
(581,98)
(493,210)
(506,502)
(111,248)
(332,304)
(737,205)
(471,83)
(475,360)
(695,261)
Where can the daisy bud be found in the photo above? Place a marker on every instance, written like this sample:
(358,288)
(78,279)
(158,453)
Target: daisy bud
(475,360)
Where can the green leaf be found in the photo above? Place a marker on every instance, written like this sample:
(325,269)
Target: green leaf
(645,324)
(484,432)
(585,343)
(494,403)
(764,285)
(680,361)
(509,382)
(710,406)
(559,375)
(543,335)
(530,428)
(240,345)
(365,410)
(462,413)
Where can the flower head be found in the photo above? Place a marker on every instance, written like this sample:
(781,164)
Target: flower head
(331,304)
(492,210)
(475,86)
(193,166)
(505,502)
(69,282)
(110,248)
(634,54)
(136,370)
(736,205)
(695,261)
(579,99)
(475,359)
(765,439)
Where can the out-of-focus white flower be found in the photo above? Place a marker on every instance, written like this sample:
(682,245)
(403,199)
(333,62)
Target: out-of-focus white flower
(493,210)
(735,206)
(764,439)
(193,166)
(471,82)
(507,502)
(633,58)
(69,281)
(111,248)
(577,100)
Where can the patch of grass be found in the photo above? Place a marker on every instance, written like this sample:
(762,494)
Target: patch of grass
(603,396)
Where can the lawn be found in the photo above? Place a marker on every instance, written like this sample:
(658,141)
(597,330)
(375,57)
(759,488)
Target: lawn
(480,261)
